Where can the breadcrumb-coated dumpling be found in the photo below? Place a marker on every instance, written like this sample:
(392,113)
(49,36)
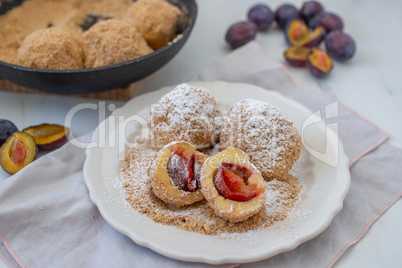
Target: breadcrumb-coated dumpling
(265,134)
(51,48)
(156,20)
(113,41)
(187,113)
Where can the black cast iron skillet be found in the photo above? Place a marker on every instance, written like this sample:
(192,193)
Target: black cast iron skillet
(93,80)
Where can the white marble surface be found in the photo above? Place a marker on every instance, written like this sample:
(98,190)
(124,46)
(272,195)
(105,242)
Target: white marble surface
(369,84)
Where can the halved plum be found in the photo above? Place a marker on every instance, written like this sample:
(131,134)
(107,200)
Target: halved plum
(17,152)
(48,136)
(178,171)
(314,38)
(231,181)
(185,174)
(296,30)
(319,62)
(296,56)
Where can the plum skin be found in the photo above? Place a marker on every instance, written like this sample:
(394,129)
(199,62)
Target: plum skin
(54,144)
(286,13)
(330,21)
(261,15)
(241,33)
(6,129)
(309,9)
(48,136)
(340,45)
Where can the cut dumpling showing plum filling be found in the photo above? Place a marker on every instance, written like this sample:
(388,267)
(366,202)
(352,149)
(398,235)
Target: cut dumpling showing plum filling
(175,179)
(233,187)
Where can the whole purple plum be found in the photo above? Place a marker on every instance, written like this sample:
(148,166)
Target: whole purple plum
(340,45)
(329,21)
(286,13)
(261,15)
(6,129)
(309,9)
(241,33)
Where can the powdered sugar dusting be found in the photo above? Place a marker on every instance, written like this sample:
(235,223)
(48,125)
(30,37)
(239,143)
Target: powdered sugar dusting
(188,101)
(113,186)
(186,113)
(265,134)
(282,196)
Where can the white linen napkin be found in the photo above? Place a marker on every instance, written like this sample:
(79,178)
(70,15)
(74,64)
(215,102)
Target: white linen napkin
(47,218)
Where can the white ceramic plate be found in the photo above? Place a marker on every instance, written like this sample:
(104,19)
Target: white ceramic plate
(323,170)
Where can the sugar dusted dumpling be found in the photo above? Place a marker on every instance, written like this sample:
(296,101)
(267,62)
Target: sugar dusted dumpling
(187,113)
(265,134)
